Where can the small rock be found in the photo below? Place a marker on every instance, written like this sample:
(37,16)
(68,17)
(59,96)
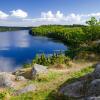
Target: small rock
(26,89)
(20,78)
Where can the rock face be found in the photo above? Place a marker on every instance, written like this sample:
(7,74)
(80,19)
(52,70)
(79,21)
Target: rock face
(93,98)
(94,88)
(87,88)
(38,69)
(26,89)
(97,71)
(6,79)
(72,90)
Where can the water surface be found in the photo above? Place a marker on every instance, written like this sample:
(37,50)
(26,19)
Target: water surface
(18,47)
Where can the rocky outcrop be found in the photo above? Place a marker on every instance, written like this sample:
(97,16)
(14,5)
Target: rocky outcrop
(86,88)
(30,73)
(72,90)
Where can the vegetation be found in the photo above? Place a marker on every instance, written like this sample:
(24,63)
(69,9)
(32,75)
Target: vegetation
(49,60)
(78,38)
(81,40)
(49,84)
(3,28)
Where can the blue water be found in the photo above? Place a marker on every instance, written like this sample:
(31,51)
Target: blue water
(18,47)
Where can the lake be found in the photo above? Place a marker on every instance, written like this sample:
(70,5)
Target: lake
(18,48)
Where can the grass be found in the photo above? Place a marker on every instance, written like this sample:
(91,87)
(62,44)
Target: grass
(47,85)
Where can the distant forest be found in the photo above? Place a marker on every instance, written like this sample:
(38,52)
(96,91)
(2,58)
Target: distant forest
(6,28)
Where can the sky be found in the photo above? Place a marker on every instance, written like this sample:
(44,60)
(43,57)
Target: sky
(41,12)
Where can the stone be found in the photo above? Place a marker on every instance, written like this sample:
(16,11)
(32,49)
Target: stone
(72,90)
(29,88)
(30,73)
(96,72)
(39,69)
(6,79)
(26,73)
(20,78)
(94,88)
(93,98)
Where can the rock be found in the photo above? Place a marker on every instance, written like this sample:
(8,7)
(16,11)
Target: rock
(94,88)
(26,89)
(20,78)
(30,73)
(38,69)
(72,90)
(26,73)
(93,98)
(96,72)
(6,80)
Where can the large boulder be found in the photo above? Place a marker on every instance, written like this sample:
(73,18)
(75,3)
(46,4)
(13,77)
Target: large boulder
(39,69)
(86,88)
(29,88)
(6,79)
(72,90)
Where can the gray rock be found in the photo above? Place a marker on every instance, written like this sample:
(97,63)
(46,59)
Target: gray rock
(20,78)
(38,69)
(93,98)
(6,79)
(26,89)
(94,88)
(72,90)
(96,72)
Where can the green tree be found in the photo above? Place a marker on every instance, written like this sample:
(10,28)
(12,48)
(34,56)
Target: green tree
(92,22)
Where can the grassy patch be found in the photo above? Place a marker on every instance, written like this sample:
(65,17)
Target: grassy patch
(48,85)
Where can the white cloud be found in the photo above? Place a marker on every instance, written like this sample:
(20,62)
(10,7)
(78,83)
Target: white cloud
(3,15)
(20,18)
(19,13)
(58,17)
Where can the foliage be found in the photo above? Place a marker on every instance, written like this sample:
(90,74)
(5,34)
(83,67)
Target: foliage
(2,95)
(78,39)
(92,21)
(51,60)
(4,28)
(69,35)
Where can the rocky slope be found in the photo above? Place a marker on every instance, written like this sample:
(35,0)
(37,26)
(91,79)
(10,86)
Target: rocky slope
(86,88)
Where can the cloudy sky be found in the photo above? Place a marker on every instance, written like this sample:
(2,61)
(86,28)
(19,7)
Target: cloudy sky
(39,12)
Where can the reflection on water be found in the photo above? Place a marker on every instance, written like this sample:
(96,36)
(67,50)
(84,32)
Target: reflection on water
(18,47)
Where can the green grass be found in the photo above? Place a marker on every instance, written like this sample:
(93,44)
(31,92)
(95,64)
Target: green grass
(48,86)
